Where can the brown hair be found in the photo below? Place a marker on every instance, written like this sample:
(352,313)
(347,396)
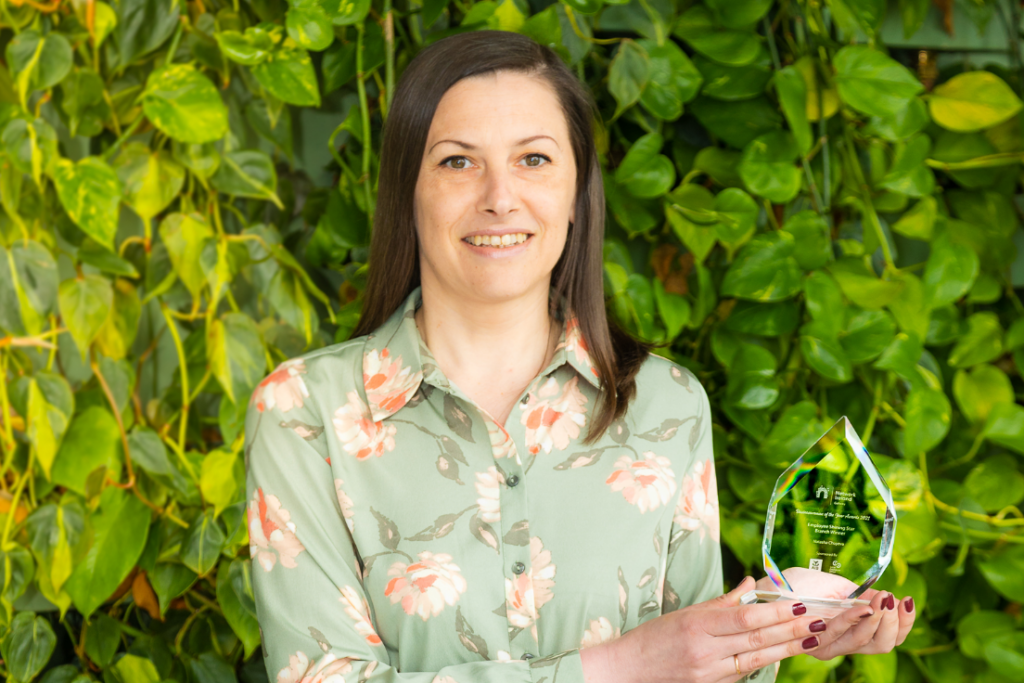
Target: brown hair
(578,275)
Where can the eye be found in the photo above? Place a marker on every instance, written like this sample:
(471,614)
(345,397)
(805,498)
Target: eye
(457,168)
(538,156)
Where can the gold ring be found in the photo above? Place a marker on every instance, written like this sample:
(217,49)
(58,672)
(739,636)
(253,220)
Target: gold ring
(736,661)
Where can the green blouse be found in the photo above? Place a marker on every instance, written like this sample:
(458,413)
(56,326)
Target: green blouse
(398,533)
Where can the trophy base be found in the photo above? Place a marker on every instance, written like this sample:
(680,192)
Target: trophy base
(826,607)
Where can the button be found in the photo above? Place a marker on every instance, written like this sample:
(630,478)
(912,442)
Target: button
(518,568)
(513,480)
(525,399)
(527,656)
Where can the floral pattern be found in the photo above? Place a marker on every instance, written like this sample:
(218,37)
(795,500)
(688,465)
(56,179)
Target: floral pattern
(271,532)
(283,388)
(410,533)
(358,433)
(698,503)
(647,484)
(553,416)
(424,588)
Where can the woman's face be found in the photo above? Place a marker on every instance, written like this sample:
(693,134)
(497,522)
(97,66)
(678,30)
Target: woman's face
(498,164)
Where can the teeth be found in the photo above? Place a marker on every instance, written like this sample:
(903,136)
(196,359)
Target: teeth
(499,241)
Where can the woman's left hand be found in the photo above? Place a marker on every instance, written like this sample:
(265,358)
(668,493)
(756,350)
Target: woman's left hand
(859,630)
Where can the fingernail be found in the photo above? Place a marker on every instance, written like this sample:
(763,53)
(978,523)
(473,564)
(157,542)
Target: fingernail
(910,604)
(892,601)
(867,614)
(799,609)
(811,643)
(885,601)
(818,626)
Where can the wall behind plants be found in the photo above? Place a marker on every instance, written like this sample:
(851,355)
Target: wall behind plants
(822,227)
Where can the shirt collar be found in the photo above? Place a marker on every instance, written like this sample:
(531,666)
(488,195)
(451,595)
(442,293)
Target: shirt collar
(396,360)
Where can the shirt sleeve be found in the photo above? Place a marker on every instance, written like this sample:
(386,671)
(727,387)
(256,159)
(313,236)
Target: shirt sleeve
(693,572)
(316,624)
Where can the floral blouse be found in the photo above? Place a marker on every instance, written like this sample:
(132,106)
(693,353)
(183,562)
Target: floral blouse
(398,533)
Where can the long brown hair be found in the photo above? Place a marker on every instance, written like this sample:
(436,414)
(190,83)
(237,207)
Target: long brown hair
(578,275)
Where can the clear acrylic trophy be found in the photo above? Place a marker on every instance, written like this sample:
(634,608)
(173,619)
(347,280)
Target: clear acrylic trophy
(831,511)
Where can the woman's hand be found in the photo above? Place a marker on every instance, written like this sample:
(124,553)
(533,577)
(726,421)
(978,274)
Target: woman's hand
(696,644)
(859,630)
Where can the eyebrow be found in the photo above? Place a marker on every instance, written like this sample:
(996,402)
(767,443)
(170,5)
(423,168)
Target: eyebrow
(466,145)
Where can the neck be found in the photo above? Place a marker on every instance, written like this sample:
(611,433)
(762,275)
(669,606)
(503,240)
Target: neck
(502,344)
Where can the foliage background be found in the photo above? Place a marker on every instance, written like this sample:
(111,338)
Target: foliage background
(821,225)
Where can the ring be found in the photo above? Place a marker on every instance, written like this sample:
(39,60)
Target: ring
(736,661)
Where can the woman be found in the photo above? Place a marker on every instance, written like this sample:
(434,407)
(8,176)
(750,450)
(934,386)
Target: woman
(489,482)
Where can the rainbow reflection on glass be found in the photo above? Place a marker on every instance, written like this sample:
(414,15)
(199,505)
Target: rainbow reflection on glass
(831,511)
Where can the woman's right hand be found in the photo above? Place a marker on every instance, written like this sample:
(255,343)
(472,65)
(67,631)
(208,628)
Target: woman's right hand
(696,644)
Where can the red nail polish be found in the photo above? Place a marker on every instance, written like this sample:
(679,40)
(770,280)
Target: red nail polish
(910,604)
(892,601)
(799,609)
(867,614)
(818,626)
(811,643)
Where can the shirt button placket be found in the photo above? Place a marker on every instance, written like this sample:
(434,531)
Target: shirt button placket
(516,555)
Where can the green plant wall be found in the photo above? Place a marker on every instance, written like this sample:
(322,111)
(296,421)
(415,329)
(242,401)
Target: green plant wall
(820,225)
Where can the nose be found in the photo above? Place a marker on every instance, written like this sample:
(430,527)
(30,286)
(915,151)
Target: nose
(498,195)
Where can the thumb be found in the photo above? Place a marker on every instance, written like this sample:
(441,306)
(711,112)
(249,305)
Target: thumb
(732,598)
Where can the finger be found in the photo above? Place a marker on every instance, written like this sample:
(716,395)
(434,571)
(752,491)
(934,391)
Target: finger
(750,661)
(743,618)
(861,634)
(760,638)
(884,639)
(842,623)
(732,598)
(907,617)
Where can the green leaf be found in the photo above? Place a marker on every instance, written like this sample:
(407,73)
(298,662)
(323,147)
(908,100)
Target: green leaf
(31,146)
(92,254)
(861,285)
(185,236)
(184,104)
(288,75)
(982,342)
(751,382)
(867,334)
(22,571)
(950,271)
(235,597)
(202,159)
(872,83)
(733,83)
(102,638)
(909,175)
(249,48)
(135,669)
(1005,426)
(813,239)
(143,26)
(234,350)
(169,581)
(877,668)
(355,11)
(738,13)
(737,126)
(823,353)
(84,306)
(673,80)
(247,173)
(28,286)
(202,543)
(919,222)
(764,269)
(726,45)
(792,90)
(90,193)
(692,200)
(769,167)
(825,302)
(119,535)
(910,308)
(995,483)
(766,320)
(1004,571)
(38,61)
(151,180)
(928,416)
(219,481)
(27,646)
(82,100)
(673,309)
(92,441)
(972,101)
(792,433)
(628,75)
(644,172)
(736,215)
(309,26)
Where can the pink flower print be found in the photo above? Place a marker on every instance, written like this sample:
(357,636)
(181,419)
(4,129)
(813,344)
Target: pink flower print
(553,418)
(283,388)
(358,608)
(600,631)
(528,592)
(443,679)
(647,483)
(346,505)
(575,343)
(271,532)
(698,501)
(389,386)
(360,435)
(425,587)
(502,445)
(487,485)
(328,669)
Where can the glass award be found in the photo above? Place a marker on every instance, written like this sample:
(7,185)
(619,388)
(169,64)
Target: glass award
(831,511)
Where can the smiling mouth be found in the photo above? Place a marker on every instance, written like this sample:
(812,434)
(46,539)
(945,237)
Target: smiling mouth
(498,241)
